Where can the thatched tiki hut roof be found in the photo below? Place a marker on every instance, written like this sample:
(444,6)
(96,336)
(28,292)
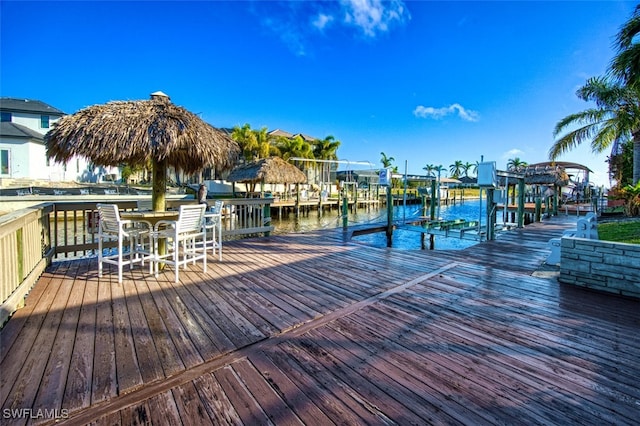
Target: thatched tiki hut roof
(135,132)
(267,170)
(546,174)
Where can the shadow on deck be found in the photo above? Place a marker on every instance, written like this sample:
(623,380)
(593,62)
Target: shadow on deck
(310,329)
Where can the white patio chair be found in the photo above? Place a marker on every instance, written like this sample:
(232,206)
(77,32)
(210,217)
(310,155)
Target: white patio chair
(213,228)
(112,228)
(144,205)
(186,239)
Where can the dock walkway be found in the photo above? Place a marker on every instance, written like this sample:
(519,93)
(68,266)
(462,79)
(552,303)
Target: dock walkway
(315,329)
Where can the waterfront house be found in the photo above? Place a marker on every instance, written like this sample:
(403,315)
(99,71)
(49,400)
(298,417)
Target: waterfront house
(23,124)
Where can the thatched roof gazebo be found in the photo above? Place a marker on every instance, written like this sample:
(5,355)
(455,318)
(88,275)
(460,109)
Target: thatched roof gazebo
(267,170)
(546,174)
(136,132)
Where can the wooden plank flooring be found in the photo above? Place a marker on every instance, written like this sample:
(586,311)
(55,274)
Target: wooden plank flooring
(315,329)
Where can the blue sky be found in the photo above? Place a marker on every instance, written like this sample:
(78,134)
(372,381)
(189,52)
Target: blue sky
(424,82)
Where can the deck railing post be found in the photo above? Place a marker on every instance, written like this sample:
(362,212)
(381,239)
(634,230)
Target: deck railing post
(345,211)
(266,219)
(521,195)
(389,231)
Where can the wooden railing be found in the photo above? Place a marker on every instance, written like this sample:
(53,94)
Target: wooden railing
(25,252)
(31,238)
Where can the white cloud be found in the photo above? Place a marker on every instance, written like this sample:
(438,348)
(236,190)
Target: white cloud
(512,153)
(322,21)
(296,23)
(374,16)
(293,39)
(438,113)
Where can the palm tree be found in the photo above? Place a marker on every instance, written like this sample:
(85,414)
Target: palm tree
(516,164)
(247,140)
(626,65)
(430,169)
(326,149)
(294,147)
(466,167)
(264,147)
(626,68)
(386,161)
(614,120)
(474,166)
(456,169)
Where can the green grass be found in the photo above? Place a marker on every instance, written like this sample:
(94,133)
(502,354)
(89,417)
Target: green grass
(620,232)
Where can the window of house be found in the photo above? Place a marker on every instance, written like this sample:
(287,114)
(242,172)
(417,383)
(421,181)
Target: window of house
(44,121)
(5,116)
(4,161)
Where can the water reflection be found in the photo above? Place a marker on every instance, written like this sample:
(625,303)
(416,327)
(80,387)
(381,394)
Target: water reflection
(402,239)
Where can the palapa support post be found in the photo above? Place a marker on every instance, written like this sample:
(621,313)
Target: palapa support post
(158,198)
(297,206)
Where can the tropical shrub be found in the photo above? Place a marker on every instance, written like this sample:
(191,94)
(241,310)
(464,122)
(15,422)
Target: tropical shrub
(631,196)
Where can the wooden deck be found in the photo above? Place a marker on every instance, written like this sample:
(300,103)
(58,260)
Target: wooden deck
(312,329)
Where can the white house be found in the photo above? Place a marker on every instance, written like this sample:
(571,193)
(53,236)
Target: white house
(23,124)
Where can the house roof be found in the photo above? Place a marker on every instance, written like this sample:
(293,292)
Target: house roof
(306,138)
(278,132)
(13,130)
(28,105)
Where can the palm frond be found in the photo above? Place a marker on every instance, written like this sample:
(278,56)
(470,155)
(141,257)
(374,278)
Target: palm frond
(572,139)
(590,116)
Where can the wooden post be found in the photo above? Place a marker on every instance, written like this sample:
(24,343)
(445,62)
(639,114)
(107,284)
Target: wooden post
(355,197)
(297,206)
(434,199)
(345,211)
(520,202)
(266,217)
(432,215)
(538,209)
(389,217)
(158,198)
(547,208)
(491,215)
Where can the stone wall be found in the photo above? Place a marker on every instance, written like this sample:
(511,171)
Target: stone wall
(601,265)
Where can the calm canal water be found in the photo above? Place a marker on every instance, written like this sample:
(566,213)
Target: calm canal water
(402,239)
